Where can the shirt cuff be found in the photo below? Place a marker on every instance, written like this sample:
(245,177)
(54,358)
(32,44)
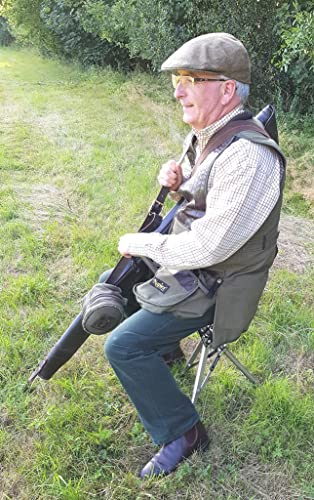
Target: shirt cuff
(143,244)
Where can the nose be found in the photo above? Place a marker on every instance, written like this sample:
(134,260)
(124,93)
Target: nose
(179,91)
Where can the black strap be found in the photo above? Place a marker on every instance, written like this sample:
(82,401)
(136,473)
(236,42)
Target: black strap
(159,202)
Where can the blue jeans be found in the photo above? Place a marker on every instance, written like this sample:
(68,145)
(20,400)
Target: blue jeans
(134,350)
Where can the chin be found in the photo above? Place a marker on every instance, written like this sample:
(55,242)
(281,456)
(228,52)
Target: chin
(188,119)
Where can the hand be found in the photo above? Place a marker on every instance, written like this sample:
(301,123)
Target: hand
(170,175)
(124,245)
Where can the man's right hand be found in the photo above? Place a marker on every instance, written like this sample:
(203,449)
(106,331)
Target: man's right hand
(170,175)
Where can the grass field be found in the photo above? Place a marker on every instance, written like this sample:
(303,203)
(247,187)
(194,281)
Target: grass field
(79,156)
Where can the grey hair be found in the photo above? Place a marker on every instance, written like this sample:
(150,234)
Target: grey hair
(242,90)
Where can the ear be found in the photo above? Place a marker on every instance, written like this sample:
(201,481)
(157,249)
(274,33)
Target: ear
(228,90)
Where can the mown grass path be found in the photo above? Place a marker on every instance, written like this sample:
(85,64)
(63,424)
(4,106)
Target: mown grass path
(79,153)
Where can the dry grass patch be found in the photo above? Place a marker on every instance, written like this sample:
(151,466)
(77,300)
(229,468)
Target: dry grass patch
(45,202)
(299,366)
(295,244)
(300,171)
(265,482)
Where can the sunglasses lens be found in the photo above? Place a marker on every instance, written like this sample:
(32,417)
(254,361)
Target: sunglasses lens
(175,80)
(183,79)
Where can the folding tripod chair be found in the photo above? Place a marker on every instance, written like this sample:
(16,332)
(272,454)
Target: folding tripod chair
(205,352)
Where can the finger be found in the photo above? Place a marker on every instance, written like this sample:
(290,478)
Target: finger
(167,176)
(126,255)
(170,166)
(165,180)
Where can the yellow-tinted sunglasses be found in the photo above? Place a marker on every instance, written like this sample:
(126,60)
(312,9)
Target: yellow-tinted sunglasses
(190,80)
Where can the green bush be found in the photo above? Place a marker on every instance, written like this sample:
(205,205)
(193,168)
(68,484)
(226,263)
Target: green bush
(63,19)
(149,34)
(295,57)
(128,33)
(6,38)
(27,25)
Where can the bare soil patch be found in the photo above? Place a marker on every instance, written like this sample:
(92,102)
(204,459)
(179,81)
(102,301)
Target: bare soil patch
(296,244)
(299,366)
(300,173)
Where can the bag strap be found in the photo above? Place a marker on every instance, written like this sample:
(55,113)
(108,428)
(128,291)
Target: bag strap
(226,133)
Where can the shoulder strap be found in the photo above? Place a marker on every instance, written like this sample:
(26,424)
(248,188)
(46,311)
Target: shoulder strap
(226,133)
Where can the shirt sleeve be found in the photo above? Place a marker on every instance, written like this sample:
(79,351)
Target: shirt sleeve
(244,187)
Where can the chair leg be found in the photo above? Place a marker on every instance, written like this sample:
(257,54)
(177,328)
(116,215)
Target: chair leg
(205,353)
(240,367)
(194,354)
(198,384)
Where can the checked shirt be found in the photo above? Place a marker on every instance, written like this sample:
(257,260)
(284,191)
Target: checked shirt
(243,188)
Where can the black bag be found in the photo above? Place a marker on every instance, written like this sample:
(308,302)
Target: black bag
(103,308)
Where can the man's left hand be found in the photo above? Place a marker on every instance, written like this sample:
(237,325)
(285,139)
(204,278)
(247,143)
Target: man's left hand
(124,244)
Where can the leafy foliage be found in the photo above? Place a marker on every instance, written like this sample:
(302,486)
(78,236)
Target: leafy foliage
(148,34)
(142,33)
(63,19)
(295,57)
(27,25)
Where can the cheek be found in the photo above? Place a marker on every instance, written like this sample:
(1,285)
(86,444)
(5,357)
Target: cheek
(208,103)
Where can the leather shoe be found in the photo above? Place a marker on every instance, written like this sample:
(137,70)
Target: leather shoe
(171,454)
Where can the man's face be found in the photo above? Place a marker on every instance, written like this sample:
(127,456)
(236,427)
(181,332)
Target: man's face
(202,102)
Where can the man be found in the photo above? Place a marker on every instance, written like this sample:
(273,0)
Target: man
(227,227)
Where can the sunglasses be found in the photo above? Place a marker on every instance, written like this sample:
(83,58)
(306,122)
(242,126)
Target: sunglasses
(190,80)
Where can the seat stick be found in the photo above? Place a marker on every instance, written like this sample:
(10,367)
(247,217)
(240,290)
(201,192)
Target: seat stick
(194,354)
(219,351)
(239,365)
(199,374)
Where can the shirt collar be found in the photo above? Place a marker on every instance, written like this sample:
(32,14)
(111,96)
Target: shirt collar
(205,134)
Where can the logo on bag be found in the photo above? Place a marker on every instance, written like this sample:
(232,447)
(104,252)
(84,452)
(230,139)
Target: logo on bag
(160,285)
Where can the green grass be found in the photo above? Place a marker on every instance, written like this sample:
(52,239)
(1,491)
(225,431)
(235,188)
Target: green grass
(298,145)
(79,154)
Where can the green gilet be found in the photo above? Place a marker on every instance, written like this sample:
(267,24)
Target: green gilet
(244,273)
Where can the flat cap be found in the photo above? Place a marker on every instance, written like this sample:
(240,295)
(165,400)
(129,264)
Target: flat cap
(215,52)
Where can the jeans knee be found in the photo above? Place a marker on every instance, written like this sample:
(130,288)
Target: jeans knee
(111,350)
(123,344)
(117,345)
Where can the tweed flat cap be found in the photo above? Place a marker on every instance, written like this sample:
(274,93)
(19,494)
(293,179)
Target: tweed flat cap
(215,52)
